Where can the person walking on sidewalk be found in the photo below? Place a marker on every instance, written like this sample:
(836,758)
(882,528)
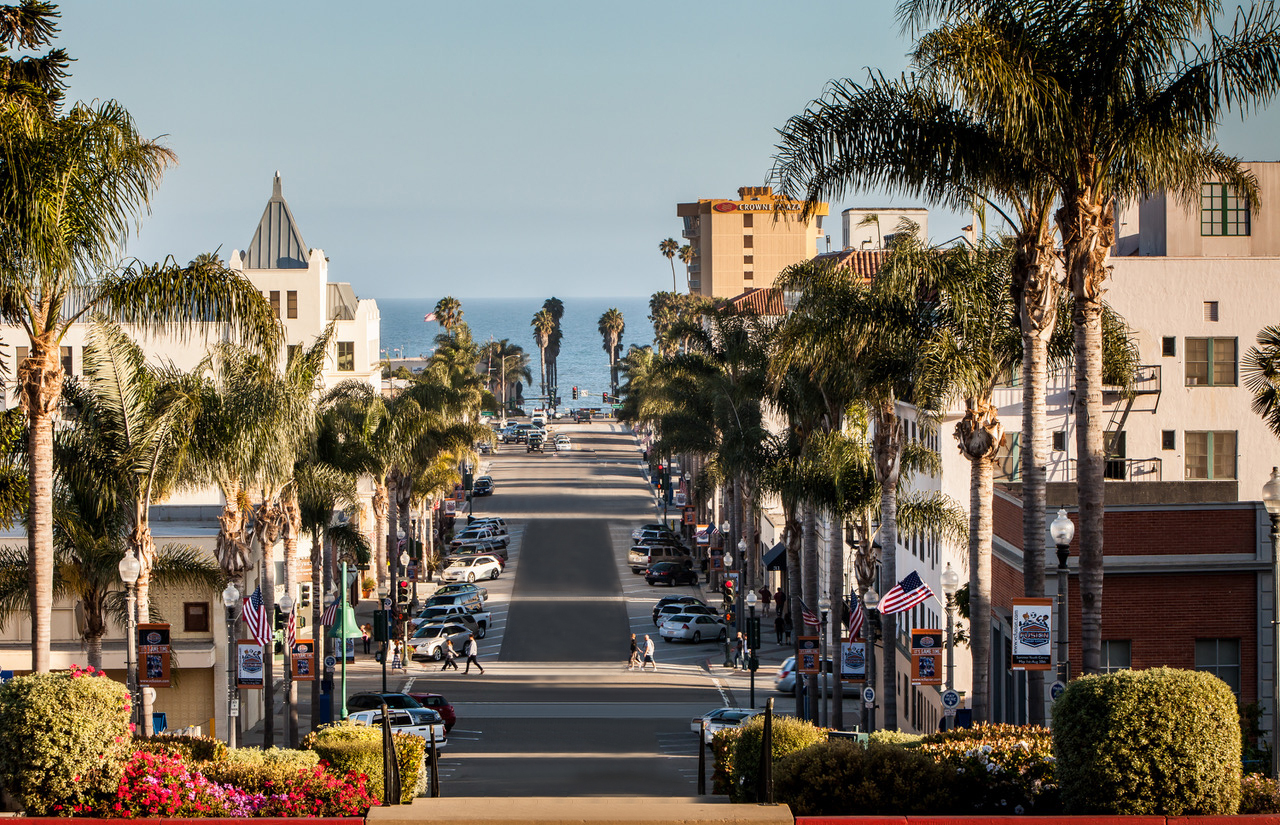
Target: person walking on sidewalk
(765,598)
(740,652)
(779,600)
(779,626)
(787,627)
(648,654)
(473,650)
(450,656)
(633,659)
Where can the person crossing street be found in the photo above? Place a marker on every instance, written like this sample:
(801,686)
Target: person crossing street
(473,650)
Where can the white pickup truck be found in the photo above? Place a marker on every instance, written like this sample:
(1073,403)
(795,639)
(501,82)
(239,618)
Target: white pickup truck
(477,623)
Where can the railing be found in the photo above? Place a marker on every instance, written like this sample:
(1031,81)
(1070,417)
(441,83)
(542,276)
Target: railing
(1122,469)
(1146,381)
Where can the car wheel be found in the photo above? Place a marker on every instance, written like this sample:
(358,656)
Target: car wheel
(471,577)
(439,654)
(493,574)
(723,637)
(665,639)
(697,637)
(481,630)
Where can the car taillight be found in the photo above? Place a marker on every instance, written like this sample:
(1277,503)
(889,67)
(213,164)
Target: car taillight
(684,627)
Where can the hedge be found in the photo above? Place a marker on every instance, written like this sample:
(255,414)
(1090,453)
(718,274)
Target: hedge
(843,778)
(347,746)
(256,770)
(1159,741)
(789,735)
(190,748)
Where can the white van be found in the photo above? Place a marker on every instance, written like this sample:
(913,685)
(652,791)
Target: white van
(641,557)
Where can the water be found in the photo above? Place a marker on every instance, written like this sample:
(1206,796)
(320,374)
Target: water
(583,361)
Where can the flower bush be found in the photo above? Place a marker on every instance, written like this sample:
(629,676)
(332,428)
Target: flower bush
(258,771)
(998,769)
(349,747)
(190,748)
(842,777)
(722,744)
(64,739)
(1259,794)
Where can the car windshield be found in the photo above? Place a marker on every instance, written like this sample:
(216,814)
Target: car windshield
(434,631)
(680,617)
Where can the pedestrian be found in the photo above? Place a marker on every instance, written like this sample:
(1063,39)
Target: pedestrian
(765,598)
(366,636)
(779,600)
(473,650)
(787,627)
(779,626)
(740,652)
(395,657)
(633,660)
(450,656)
(648,653)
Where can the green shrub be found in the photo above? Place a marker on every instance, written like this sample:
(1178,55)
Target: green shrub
(844,778)
(998,769)
(252,770)
(789,735)
(64,739)
(347,746)
(1158,741)
(722,744)
(191,748)
(1259,795)
(893,737)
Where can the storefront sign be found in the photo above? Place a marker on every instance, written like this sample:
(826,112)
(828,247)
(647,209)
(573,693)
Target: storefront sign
(250,664)
(690,515)
(1032,633)
(853,661)
(153,655)
(926,657)
(303,660)
(807,654)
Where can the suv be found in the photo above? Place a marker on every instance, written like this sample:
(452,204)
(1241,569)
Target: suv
(785,679)
(470,601)
(418,721)
(642,558)
(373,701)
(670,572)
(582,417)
(535,442)
(482,487)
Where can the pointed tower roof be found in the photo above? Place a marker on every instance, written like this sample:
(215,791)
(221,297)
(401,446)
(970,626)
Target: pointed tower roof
(277,243)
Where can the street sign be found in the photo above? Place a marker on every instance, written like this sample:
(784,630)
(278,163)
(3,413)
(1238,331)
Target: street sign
(330,662)
(386,604)
(235,707)
(869,696)
(1056,690)
(950,701)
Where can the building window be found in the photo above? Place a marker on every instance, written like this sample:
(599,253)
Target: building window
(195,617)
(292,305)
(1168,439)
(748,276)
(1211,362)
(1114,442)
(1009,458)
(1211,310)
(346,356)
(1169,346)
(1211,455)
(748,241)
(1060,441)
(66,361)
(275,302)
(1221,657)
(748,259)
(1116,655)
(20,354)
(748,220)
(1222,210)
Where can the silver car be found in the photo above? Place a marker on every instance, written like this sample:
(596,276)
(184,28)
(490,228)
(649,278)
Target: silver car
(722,719)
(688,627)
(429,639)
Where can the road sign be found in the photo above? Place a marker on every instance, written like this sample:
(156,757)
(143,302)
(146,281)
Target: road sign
(950,701)
(235,707)
(869,696)
(386,604)
(1056,690)
(330,662)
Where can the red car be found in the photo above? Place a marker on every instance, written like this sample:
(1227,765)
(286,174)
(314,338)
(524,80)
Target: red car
(440,705)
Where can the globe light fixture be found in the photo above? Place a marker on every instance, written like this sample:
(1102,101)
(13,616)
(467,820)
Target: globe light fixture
(230,595)
(950,581)
(129,569)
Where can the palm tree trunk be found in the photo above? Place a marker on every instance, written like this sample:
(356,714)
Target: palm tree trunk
(93,650)
(268,660)
(392,525)
(317,600)
(794,567)
(886,449)
(1090,468)
(809,593)
(292,527)
(1035,453)
(380,508)
(41,378)
(835,634)
(981,474)
(143,548)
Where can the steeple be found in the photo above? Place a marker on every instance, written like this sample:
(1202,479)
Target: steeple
(277,243)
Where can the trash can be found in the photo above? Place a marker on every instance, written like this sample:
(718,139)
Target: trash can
(159,723)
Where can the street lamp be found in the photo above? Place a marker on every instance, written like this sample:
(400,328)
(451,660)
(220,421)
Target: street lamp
(1271,500)
(870,600)
(404,636)
(129,570)
(291,697)
(742,582)
(824,607)
(1062,530)
(752,599)
(950,584)
(231,600)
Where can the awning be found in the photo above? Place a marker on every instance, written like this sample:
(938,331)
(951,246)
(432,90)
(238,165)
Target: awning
(776,559)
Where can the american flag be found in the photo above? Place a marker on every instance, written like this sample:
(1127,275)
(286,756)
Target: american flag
(808,616)
(255,616)
(330,615)
(907,594)
(429,317)
(291,630)
(857,617)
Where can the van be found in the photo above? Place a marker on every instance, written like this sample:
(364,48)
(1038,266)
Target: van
(641,557)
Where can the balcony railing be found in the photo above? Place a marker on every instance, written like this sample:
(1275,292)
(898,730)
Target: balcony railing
(1123,469)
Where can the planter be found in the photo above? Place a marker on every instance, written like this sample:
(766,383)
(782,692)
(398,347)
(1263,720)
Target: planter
(265,820)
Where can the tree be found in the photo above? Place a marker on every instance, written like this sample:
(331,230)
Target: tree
(555,307)
(1260,369)
(543,327)
(448,313)
(611,326)
(505,363)
(669,248)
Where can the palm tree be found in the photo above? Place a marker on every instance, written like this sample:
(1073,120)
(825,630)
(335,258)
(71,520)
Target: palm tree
(611,326)
(74,182)
(1260,369)
(556,307)
(505,362)
(543,327)
(686,258)
(1113,108)
(448,313)
(669,248)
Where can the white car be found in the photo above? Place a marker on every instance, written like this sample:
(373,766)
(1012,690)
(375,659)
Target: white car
(416,721)
(722,719)
(563,442)
(688,627)
(472,568)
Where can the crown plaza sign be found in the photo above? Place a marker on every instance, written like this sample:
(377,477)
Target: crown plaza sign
(756,206)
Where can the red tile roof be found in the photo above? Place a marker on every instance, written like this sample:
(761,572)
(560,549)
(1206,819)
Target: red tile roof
(764,302)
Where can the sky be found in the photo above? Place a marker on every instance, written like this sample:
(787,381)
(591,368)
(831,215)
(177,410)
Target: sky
(478,149)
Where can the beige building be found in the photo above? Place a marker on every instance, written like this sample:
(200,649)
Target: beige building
(743,244)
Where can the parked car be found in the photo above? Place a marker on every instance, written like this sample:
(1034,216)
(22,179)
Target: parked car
(488,537)
(670,572)
(722,719)
(497,521)
(480,548)
(785,679)
(477,623)
(690,627)
(666,611)
(651,527)
(641,558)
(582,417)
(483,486)
(563,443)
(428,640)
(417,721)
(534,443)
(463,587)
(684,599)
(436,702)
(471,601)
(370,701)
(471,568)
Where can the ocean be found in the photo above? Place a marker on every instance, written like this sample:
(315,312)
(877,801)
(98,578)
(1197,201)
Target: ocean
(583,361)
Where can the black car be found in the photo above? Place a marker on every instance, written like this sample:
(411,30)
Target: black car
(373,701)
(482,487)
(582,418)
(669,572)
(666,600)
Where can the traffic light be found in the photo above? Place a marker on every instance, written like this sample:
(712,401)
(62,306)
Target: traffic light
(279,619)
(381,626)
(606,398)
(402,592)
(304,594)
(575,393)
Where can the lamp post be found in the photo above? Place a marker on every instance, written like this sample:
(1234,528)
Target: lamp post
(1271,500)
(742,583)
(724,542)
(404,635)
(752,599)
(129,570)
(386,628)
(870,601)
(231,600)
(824,713)
(1062,530)
(290,696)
(342,639)
(950,584)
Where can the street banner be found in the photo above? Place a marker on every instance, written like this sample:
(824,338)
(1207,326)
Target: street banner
(926,657)
(853,661)
(678,498)
(807,654)
(303,660)
(717,562)
(1032,633)
(250,664)
(690,515)
(450,507)
(153,655)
